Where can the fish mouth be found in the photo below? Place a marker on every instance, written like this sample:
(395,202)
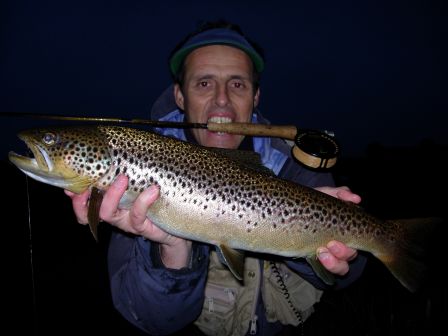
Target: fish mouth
(41,162)
(41,167)
(44,169)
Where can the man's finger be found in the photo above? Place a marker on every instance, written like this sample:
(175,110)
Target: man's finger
(341,251)
(79,203)
(347,195)
(139,210)
(331,263)
(112,197)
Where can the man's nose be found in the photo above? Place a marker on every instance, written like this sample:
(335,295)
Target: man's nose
(222,95)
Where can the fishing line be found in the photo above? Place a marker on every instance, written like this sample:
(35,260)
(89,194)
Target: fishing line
(30,244)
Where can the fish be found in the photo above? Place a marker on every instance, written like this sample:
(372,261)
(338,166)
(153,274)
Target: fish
(225,198)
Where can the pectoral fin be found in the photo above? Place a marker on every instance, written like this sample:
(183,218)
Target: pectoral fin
(234,260)
(326,276)
(93,214)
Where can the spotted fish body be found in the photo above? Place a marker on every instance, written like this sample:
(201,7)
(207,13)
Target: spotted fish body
(207,195)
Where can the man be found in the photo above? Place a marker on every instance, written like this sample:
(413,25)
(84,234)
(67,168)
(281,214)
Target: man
(162,283)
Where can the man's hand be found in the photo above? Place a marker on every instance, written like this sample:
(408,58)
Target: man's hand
(336,255)
(174,251)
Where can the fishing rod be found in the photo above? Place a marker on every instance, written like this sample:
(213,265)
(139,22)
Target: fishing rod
(313,148)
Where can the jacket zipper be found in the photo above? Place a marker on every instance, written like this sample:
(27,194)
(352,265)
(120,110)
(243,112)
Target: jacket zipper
(253,314)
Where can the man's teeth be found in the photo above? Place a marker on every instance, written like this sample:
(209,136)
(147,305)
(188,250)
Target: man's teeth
(220,120)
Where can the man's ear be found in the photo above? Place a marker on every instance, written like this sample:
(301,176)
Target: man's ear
(179,97)
(257,97)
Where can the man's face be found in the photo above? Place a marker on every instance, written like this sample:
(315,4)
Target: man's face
(218,87)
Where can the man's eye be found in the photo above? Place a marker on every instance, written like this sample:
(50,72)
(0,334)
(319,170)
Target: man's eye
(238,85)
(203,84)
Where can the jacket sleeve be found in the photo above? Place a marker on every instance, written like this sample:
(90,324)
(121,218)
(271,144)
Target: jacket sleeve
(157,300)
(293,171)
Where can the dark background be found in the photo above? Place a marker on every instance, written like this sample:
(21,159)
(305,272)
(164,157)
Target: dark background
(374,72)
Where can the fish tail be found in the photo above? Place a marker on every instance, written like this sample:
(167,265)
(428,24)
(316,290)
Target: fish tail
(406,261)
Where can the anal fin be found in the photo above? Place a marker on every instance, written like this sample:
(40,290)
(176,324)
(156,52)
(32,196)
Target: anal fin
(326,276)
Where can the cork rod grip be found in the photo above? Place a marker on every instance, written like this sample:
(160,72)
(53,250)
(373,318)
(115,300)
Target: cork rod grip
(285,132)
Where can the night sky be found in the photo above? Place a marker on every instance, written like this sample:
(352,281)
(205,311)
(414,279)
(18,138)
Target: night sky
(371,71)
(374,72)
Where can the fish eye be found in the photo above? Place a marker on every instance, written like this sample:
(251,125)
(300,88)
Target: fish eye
(49,138)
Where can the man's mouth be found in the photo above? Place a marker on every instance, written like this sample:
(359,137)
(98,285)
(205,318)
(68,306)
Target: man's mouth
(220,120)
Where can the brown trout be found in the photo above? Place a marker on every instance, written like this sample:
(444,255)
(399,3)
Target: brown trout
(219,197)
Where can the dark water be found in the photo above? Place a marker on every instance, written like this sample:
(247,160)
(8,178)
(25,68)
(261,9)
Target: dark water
(54,280)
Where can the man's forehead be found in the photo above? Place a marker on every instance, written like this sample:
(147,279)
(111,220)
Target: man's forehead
(219,58)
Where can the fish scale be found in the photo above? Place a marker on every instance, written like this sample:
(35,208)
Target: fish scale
(221,197)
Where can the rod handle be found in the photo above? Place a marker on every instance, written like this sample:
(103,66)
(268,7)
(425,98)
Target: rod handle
(284,132)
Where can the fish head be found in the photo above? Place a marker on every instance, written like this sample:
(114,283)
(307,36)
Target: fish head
(69,158)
